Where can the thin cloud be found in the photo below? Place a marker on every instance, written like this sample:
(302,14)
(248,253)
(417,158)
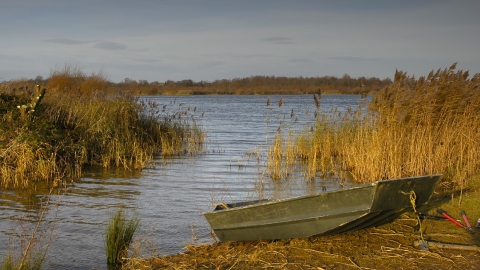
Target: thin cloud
(146,60)
(108,45)
(300,60)
(65,41)
(278,40)
(212,64)
(351,58)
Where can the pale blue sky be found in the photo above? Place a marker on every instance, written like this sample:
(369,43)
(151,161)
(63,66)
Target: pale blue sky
(158,40)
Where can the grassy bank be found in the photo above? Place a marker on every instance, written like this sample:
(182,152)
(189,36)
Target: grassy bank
(428,125)
(79,123)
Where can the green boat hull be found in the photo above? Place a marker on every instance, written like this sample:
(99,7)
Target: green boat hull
(321,214)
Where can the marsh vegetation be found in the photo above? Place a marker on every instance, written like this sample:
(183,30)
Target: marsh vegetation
(50,133)
(411,127)
(423,126)
(78,122)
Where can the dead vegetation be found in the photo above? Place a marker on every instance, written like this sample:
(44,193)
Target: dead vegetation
(386,247)
(390,246)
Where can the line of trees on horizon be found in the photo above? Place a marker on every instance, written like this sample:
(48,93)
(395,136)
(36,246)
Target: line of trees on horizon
(249,85)
(260,85)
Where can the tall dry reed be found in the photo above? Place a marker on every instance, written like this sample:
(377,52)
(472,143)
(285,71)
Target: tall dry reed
(424,126)
(413,127)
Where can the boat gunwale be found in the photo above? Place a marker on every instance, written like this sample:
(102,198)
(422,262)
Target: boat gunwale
(259,203)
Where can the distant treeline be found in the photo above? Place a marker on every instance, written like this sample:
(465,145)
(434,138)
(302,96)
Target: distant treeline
(258,85)
(253,85)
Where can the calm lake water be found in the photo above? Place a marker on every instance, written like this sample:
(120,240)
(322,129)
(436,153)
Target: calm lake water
(170,197)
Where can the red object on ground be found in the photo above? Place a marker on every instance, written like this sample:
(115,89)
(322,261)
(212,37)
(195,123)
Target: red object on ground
(469,228)
(443,213)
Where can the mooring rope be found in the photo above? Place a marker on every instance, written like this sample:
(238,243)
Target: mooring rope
(413,198)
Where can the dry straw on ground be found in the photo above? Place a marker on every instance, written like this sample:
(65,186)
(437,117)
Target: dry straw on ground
(390,246)
(386,247)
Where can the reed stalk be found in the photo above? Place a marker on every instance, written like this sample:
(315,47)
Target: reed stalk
(29,242)
(282,155)
(275,161)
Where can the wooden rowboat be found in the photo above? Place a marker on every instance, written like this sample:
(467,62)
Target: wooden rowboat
(324,213)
